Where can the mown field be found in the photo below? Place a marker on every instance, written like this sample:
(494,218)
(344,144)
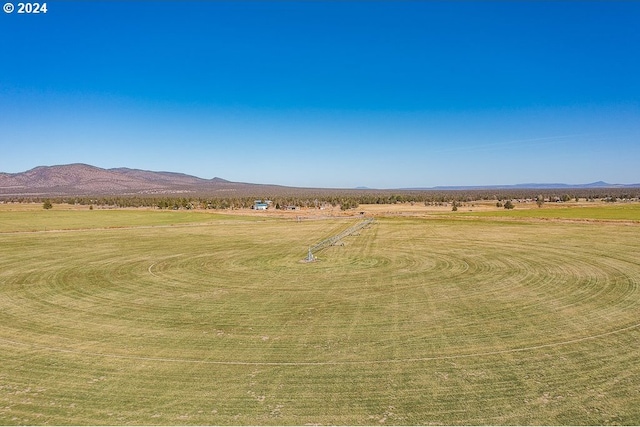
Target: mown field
(608,211)
(149,317)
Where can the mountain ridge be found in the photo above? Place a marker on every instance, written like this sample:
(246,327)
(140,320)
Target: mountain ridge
(530,186)
(80,179)
(84,179)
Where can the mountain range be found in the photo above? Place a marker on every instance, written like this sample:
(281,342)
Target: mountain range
(81,179)
(531,186)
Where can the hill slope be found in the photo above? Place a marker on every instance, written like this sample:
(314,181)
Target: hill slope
(85,180)
(82,179)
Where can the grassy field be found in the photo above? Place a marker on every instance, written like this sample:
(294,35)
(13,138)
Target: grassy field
(31,217)
(146,317)
(608,211)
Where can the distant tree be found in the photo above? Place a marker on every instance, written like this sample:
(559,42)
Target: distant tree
(540,200)
(455,206)
(508,205)
(498,205)
(47,204)
(348,204)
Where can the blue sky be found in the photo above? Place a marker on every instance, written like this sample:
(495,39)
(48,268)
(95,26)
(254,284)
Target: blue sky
(327,94)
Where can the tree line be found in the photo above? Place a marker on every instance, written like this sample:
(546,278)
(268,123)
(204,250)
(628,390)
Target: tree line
(345,199)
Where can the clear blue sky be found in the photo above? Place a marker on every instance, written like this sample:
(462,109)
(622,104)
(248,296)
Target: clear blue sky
(327,94)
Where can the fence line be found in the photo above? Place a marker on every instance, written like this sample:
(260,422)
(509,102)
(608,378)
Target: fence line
(331,241)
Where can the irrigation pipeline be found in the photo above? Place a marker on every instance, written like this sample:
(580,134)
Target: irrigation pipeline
(331,241)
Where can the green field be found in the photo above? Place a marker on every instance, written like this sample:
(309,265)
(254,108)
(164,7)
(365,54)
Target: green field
(624,211)
(143,317)
(31,218)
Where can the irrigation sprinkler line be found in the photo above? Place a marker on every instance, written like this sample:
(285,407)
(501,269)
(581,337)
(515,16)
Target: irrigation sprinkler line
(330,241)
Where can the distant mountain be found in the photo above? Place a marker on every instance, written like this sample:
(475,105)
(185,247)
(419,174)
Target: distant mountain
(82,179)
(530,186)
(85,180)
(163,178)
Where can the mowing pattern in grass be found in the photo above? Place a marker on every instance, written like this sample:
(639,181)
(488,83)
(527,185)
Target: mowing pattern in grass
(41,220)
(412,322)
(622,211)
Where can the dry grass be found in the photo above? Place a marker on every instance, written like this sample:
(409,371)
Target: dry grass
(414,321)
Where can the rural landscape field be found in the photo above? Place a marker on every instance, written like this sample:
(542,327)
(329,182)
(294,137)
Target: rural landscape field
(320,213)
(143,316)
